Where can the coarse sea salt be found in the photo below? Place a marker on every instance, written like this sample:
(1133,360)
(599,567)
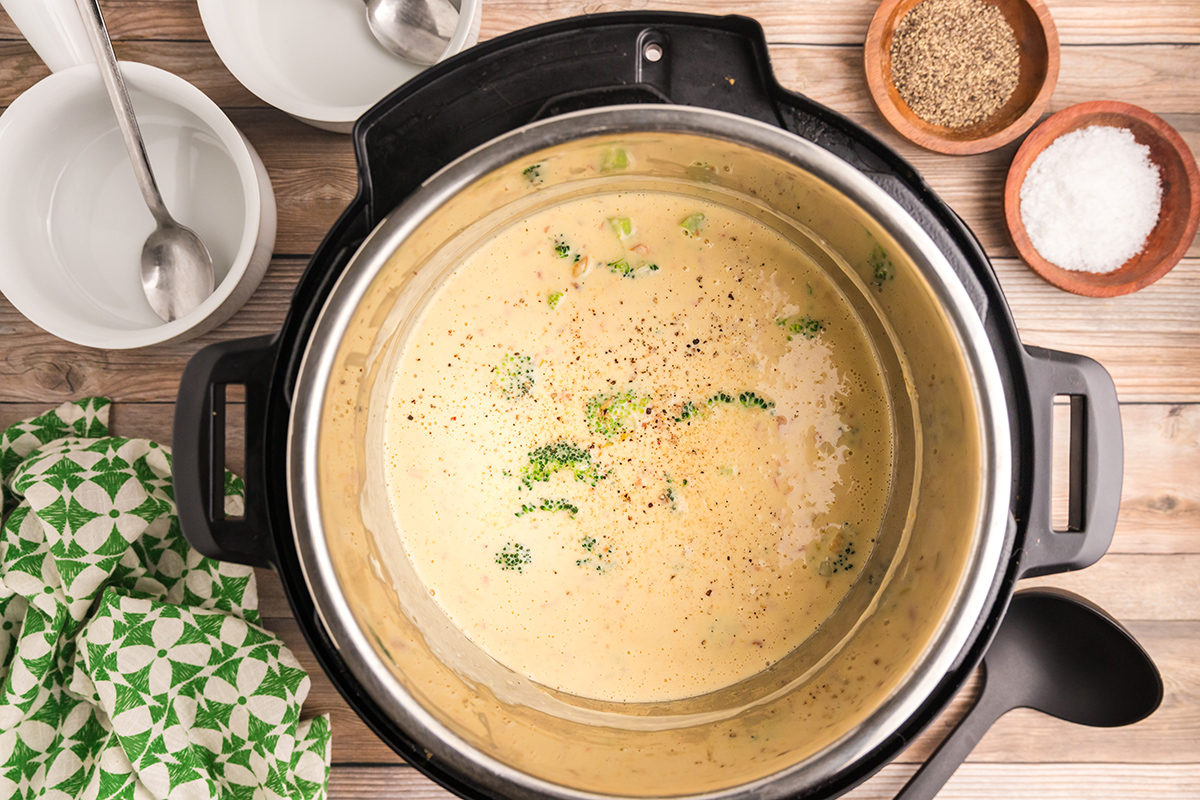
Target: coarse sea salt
(1090,200)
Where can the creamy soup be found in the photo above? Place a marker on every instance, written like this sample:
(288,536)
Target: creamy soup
(638,447)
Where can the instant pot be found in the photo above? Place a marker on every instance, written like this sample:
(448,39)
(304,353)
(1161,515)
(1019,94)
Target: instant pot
(692,102)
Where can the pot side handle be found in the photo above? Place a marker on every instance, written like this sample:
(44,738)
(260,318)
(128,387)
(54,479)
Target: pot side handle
(198,460)
(1096,462)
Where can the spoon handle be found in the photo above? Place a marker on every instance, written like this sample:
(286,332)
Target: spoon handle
(954,749)
(106,59)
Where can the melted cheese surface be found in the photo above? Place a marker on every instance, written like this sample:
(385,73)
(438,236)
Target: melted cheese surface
(638,447)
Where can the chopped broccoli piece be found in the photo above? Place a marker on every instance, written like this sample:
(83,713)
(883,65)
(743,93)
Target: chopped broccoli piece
(514,556)
(553,298)
(751,400)
(693,224)
(609,415)
(836,541)
(672,496)
(533,174)
(690,411)
(801,326)
(841,561)
(747,399)
(549,505)
(598,558)
(549,459)
(615,159)
(882,268)
(514,376)
(562,248)
(621,267)
(622,226)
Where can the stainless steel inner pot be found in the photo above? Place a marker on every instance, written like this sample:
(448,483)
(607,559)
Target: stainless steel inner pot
(914,606)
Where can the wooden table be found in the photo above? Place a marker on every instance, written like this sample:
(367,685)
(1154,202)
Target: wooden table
(1141,51)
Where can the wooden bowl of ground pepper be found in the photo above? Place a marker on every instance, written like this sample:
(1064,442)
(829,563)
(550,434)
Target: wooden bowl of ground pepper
(961,76)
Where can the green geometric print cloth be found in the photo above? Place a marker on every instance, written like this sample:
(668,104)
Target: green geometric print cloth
(130,665)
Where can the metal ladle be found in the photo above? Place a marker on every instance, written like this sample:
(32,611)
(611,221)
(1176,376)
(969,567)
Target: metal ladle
(415,30)
(1059,654)
(177,270)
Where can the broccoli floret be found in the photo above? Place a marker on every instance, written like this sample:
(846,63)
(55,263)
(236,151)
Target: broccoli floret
(514,376)
(553,298)
(562,248)
(751,400)
(549,505)
(693,224)
(881,266)
(609,414)
(549,459)
(801,326)
(598,558)
(747,399)
(514,556)
(533,174)
(621,267)
(672,496)
(690,411)
(838,544)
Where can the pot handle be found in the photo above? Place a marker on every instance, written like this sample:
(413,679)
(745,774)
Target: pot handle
(198,460)
(1096,462)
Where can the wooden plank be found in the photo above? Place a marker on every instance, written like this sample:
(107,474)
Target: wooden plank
(1170,735)
(1160,497)
(1149,341)
(1160,500)
(1137,587)
(139,19)
(38,368)
(312,172)
(973,781)
(815,21)
(1157,76)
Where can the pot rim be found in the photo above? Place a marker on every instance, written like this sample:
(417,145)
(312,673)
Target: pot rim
(972,602)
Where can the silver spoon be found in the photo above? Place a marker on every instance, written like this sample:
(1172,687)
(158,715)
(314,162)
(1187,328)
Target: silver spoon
(415,30)
(177,271)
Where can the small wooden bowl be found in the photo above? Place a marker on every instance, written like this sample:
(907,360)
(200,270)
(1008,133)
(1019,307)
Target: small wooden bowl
(1038,41)
(1177,218)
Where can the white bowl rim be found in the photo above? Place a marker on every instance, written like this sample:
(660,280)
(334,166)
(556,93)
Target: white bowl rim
(55,90)
(213,17)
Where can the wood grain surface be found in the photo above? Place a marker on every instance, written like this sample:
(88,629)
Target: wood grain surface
(1140,51)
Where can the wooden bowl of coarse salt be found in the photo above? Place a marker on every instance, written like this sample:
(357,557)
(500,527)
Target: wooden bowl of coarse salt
(1102,199)
(961,76)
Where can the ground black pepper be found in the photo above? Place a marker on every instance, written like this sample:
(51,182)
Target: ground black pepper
(955,62)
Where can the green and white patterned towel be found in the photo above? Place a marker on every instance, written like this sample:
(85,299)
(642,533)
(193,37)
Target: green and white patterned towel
(130,665)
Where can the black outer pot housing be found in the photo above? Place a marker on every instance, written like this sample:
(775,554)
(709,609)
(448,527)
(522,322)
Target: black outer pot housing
(713,62)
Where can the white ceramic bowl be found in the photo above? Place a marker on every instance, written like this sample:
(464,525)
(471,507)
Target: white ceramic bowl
(316,59)
(72,221)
